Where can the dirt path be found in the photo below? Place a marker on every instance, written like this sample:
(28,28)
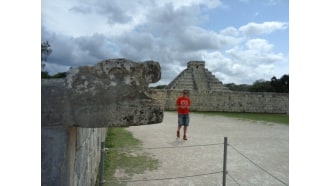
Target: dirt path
(266,144)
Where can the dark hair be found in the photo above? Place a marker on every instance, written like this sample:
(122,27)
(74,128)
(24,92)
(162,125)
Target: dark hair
(185,92)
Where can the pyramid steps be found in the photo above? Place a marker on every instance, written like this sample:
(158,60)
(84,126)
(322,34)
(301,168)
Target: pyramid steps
(196,77)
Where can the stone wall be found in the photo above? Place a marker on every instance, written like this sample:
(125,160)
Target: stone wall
(74,153)
(255,102)
(77,110)
(88,154)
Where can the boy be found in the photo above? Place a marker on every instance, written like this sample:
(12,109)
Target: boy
(183,104)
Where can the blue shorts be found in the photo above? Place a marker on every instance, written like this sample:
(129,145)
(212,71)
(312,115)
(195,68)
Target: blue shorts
(183,119)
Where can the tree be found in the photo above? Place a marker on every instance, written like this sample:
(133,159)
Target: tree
(284,81)
(274,82)
(234,87)
(44,75)
(280,85)
(261,86)
(274,85)
(159,87)
(59,75)
(45,52)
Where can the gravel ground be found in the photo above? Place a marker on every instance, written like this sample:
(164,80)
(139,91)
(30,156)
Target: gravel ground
(257,154)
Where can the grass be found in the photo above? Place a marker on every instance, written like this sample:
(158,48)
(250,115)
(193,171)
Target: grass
(122,163)
(277,118)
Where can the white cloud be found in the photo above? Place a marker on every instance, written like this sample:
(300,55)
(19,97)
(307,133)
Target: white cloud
(230,31)
(178,4)
(259,45)
(245,63)
(252,29)
(196,38)
(167,31)
(269,2)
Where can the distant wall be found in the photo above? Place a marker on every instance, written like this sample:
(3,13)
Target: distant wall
(256,102)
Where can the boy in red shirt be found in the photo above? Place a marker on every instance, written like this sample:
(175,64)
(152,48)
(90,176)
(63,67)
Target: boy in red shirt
(183,104)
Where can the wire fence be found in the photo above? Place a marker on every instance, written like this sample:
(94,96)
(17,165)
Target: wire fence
(235,180)
(168,178)
(263,169)
(167,147)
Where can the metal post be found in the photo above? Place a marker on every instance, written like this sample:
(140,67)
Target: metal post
(224,162)
(101,181)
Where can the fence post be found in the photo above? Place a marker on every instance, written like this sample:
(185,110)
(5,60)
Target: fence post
(224,162)
(101,181)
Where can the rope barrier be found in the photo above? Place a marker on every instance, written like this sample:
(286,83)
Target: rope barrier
(189,146)
(169,178)
(151,148)
(258,165)
(233,179)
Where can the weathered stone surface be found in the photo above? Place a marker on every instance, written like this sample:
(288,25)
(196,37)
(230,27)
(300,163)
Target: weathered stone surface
(58,151)
(108,94)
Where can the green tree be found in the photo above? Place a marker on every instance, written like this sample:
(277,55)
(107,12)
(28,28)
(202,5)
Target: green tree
(280,85)
(45,52)
(274,85)
(59,75)
(284,81)
(234,87)
(159,87)
(261,86)
(44,75)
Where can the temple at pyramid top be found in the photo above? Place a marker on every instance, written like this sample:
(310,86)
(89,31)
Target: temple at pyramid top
(197,78)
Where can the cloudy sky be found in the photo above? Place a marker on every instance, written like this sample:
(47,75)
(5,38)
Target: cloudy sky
(241,41)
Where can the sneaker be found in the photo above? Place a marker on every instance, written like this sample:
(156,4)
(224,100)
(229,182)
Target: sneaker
(184,137)
(178,134)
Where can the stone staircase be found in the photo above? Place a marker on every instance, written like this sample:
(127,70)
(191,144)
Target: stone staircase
(196,77)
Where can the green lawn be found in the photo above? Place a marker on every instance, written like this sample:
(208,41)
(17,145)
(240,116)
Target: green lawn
(277,118)
(127,161)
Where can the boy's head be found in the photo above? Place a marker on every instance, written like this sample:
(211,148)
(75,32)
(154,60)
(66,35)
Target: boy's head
(185,92)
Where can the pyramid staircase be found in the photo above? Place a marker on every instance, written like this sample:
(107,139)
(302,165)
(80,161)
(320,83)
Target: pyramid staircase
(197,78)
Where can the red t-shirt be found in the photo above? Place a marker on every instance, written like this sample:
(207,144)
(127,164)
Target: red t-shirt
(183,101)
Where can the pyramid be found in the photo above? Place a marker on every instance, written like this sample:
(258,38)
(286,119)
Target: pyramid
(197,78)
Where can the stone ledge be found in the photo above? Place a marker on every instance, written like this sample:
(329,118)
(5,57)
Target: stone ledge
(108,94)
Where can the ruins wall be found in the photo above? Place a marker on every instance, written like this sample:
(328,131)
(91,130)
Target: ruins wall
(88,152)
(74,153)
(77,110)
(254,102)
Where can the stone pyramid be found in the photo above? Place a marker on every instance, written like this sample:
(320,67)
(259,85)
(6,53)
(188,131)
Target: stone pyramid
(197,78)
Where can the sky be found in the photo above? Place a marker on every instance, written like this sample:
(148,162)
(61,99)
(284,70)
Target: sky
(241,41)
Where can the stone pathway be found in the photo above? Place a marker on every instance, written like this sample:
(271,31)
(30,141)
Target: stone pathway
(264,143)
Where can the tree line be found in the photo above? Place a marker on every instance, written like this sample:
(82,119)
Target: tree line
(273,85)
(280,85)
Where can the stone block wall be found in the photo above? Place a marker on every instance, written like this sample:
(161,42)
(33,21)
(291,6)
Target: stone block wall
(88,155)
(75,154)
(255,102)
(57,155)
